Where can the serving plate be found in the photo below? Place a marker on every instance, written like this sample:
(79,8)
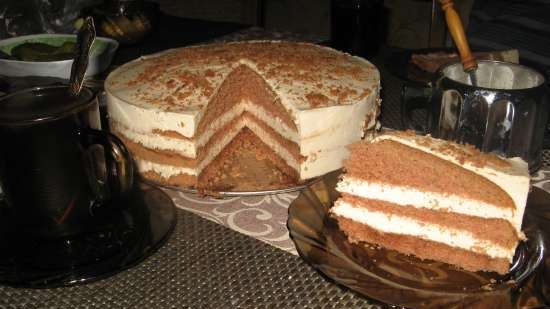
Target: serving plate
(402,281)
(131,229)
(101,55)
(223,193)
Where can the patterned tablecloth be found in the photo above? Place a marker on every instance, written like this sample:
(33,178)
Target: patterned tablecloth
(264,217)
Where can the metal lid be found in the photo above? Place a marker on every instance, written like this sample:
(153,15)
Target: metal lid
(40,104)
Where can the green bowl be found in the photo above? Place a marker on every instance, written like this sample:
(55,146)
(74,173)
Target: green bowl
(101,55)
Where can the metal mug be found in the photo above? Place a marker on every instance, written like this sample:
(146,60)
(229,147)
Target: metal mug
(505,113)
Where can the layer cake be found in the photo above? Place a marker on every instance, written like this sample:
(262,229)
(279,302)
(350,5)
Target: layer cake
(184,112)
(434,199)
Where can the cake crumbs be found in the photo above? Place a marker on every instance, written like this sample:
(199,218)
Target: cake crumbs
(317,99)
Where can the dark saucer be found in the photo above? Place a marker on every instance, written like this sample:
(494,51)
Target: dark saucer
(145,219)
(403,281)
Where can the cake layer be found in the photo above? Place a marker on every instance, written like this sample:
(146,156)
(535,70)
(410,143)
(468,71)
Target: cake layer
(403,225)
(184,180)
(164,170)
(399,165)
(510,175)
(161,157)
(247,163)
(171,140)
(421,198)
(422,248)
(497,231)
(437,179)
(218,143)
(244,84)
(287,150)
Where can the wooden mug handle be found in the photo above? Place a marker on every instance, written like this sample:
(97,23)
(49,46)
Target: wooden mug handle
(459,37)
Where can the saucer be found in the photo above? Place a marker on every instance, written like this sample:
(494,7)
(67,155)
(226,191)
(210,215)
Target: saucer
(143,222)
(399,280)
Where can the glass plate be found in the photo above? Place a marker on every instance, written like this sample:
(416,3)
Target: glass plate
(236,193)
(405,281)
(125,238)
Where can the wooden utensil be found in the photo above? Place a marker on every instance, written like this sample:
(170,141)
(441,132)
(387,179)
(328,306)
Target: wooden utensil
(459,37)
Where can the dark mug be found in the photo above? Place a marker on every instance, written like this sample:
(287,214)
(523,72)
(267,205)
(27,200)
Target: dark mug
(505,113)
(57,169)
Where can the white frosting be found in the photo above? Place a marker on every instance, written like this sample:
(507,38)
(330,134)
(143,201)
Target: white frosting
(259,112)
(182,147)
(323,160)
(405,196)
(147,119)
(165,171)
(334,126)
(391,223)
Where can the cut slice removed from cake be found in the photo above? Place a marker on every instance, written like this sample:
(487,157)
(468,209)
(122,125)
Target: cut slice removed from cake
(434,199)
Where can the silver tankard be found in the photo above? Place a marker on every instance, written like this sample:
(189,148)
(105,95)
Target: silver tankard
(505,113)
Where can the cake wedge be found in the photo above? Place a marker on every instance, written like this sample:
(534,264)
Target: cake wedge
(434,199)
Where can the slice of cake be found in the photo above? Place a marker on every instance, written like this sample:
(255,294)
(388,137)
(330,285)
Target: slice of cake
(182,112)
(434,199)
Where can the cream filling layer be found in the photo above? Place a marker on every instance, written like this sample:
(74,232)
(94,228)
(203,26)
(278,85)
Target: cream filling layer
(183,147)
(167,171)
(259,112)
(145,120)
(266,138)
(188,148)
(390,223)
(404,196)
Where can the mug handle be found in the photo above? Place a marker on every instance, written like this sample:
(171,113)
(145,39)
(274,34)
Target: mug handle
(415,96)
(118,162)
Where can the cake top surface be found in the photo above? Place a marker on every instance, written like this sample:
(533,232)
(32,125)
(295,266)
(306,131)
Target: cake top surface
(461,154)
(303,75)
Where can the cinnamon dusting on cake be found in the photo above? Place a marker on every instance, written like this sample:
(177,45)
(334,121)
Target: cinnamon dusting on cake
(394,163)
(463,153)
(284,62)
(317,99)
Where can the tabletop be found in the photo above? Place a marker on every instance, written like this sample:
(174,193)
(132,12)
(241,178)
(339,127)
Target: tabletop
(224,252)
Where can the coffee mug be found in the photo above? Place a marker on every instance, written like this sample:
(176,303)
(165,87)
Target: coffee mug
(58,170)
(505,113)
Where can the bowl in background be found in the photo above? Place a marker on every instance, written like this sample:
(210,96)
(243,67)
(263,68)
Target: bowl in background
(101,55)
